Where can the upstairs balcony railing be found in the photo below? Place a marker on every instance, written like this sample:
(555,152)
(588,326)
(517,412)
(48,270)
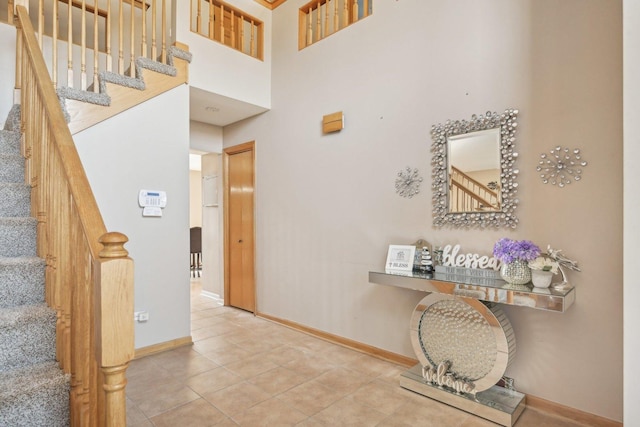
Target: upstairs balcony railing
(228,25)
(319,19)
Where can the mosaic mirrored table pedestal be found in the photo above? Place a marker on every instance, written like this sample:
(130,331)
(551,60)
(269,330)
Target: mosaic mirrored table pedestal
(464,341)
(497,404)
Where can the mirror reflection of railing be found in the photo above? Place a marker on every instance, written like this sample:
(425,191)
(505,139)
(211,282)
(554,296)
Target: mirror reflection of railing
(468,195)
(104,35)
(321,18)
(230,26)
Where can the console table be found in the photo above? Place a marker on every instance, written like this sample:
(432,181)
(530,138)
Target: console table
(464,341)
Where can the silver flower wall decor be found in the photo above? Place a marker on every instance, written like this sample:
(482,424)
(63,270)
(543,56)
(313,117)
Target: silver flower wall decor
(408,182)
(561,166)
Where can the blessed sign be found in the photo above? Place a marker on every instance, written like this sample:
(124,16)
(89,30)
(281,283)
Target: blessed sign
(451,258)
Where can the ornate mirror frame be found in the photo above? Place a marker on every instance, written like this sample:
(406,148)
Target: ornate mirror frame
(507,122)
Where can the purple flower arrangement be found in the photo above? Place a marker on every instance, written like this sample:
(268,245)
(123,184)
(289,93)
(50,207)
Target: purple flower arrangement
(508,251)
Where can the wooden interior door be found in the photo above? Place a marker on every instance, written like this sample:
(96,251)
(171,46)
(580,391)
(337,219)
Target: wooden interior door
(239,227)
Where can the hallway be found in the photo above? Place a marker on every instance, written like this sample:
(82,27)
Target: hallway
(243,370)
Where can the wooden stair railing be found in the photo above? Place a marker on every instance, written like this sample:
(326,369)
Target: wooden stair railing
(89,277)
(468,195)
(86,37)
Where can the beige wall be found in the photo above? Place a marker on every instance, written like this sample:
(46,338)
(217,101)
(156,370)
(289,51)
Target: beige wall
(326,205)
(631,209)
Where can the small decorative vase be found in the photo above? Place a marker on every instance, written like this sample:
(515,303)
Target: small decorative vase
(541,278)
(516,272)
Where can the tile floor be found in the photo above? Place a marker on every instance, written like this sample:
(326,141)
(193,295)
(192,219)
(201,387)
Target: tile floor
(243,370)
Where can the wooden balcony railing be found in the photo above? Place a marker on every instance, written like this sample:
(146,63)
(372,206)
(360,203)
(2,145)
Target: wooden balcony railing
(225,24)
(321,18)
(89,277)
(468,195)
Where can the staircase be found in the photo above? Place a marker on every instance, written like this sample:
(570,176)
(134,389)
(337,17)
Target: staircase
(33,390)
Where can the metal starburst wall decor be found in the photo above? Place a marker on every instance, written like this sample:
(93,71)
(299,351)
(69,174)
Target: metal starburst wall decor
(408,182)
(561,166)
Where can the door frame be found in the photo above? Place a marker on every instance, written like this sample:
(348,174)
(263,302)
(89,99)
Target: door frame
(227,152)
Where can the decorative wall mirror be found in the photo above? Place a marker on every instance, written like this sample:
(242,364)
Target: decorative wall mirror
(474,179)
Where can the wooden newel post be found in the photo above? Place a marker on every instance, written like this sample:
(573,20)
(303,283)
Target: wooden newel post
(114,325)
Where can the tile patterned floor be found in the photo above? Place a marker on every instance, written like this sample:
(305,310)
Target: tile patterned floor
(243,370)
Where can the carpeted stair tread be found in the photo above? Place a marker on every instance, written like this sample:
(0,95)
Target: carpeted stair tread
(18,236)
(16,199)
(21,281)
(11,168)
(34,396)
(9,142)
(27,336)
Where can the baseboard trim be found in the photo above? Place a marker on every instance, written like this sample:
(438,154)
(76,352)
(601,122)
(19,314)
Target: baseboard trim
(554,408)
(163,346)
(533,402)
(345,342)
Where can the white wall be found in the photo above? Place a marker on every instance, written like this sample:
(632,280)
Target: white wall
(631,209)
(7,69)
(327,207)
(212,226)
(205,137)
(195,198)
(123,155)
(218,69)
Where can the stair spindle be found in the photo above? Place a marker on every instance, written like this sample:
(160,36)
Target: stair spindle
(309,27)
(241,25)
(319,22)
(108,37)
(96,50)
(70,45)
(327,31)
(365,12)
(355,11)
(164,31)
(54,46)
(40,22)
(233,29)
(199,17)
(132,46)
(143,48)
(222,35)
(211,19)
(121,38)
(83,46)
(345,14)
(336,16)
(154,45)
(252,50)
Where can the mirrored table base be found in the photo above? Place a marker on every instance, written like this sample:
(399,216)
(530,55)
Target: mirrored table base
(497,404)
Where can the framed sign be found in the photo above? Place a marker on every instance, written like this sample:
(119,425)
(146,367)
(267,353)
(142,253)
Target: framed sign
(400,258)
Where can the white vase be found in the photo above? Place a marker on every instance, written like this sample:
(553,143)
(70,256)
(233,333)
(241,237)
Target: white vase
(541,279)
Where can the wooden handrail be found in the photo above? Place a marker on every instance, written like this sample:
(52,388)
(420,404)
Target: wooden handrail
(89,278)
